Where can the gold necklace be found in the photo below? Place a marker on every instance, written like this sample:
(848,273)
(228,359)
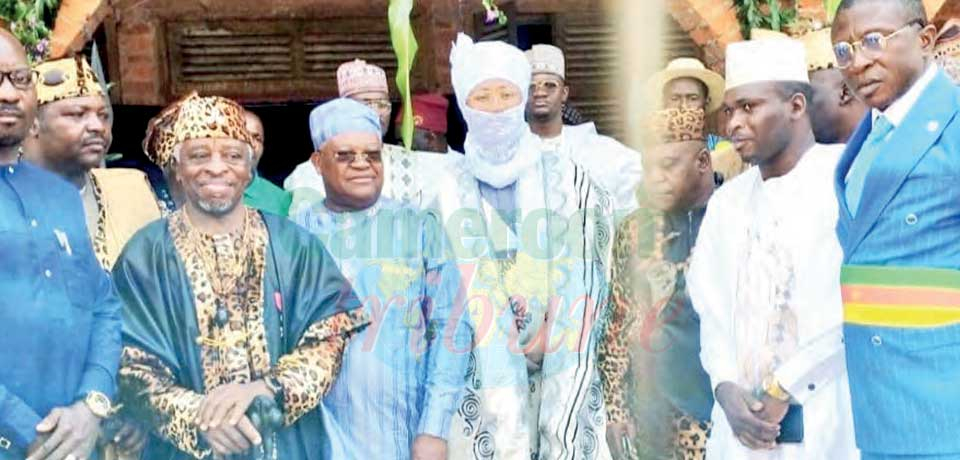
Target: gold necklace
(222,279)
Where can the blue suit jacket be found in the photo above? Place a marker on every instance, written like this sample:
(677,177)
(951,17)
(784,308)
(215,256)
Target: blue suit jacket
(904,381)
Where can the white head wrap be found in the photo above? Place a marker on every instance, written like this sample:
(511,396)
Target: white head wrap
(474,63)
(494,149)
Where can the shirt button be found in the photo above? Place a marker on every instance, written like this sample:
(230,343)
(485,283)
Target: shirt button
(811,387)
(33,223)
(876,340)
(911,219)
(47,273)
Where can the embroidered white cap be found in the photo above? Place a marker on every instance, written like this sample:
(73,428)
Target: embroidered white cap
(766,60)
(546,59)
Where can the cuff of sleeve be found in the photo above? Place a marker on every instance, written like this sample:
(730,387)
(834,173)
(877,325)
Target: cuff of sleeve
(799,390)
(436,421)
(721,374)
(96,378)
(19,427)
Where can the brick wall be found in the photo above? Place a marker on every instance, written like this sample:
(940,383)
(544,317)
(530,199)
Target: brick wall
(712,24)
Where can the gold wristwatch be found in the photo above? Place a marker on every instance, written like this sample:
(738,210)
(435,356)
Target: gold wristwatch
(98,403)
(773,388)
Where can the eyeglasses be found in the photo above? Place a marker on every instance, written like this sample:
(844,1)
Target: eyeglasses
(21,79)
(347,157)
(548,86)
(871,45)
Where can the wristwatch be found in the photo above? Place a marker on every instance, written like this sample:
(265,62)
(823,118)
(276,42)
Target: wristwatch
(98,403)
(774,390)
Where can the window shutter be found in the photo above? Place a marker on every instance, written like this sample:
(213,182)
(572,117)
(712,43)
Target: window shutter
(288,60)
(588,41)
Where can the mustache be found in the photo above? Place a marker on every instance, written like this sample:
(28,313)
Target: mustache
(95,139)
(11,110)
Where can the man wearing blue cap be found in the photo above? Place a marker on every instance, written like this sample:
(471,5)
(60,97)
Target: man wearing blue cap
(400,379)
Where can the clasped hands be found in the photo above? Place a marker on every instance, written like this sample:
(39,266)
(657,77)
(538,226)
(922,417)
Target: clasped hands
(755,422)
(223,421)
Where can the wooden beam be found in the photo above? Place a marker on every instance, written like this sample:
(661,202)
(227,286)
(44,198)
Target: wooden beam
(933,6)
(76,22)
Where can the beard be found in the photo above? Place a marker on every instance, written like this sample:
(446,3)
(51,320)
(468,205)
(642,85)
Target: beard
(12,137)
(10,140)
(217,207)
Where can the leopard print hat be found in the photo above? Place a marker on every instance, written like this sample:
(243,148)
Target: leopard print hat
(674,125)
(66,78)
(193,117)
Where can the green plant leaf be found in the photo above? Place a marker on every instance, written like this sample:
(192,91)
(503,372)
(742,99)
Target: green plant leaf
(830,6)
(405,47)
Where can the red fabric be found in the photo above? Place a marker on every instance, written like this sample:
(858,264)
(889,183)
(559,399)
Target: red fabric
(429,112)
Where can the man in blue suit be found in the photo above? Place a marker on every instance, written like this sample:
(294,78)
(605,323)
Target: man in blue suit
(897,184)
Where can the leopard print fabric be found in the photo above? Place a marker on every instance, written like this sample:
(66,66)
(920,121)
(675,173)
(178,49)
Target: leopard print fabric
(690,437)
(159,141)
(948,56)
(241,356)
(193,117)
(149,393)
(624,320)
(308,372)
(99,237)
(675,125)
(203,117)
(305,374)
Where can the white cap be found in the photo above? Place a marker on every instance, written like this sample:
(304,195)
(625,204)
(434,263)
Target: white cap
(766,60)
(546,59)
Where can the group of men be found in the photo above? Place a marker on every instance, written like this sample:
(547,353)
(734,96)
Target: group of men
(787,291)
(806,307)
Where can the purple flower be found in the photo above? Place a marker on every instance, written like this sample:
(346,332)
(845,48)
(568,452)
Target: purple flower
(492,16)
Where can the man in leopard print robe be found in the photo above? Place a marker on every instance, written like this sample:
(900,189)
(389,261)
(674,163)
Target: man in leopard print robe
(224,304)
(657,395)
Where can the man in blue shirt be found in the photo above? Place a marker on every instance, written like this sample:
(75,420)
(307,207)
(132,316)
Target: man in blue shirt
(400,380)
(61,335)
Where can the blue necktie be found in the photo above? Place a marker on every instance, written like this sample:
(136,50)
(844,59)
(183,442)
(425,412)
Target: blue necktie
(861,164)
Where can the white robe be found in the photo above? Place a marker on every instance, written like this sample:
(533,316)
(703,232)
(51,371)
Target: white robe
(508,412)
(613,166)
(765,280)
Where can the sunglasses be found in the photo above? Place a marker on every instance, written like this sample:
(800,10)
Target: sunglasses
(549,86)
(347,157)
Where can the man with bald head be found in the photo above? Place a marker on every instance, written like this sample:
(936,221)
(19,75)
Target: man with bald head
(261,193)
(900,230)
(834,110)
(61,340)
